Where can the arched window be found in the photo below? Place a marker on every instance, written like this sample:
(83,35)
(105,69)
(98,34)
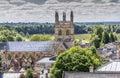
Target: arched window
(67,32)
(59,32)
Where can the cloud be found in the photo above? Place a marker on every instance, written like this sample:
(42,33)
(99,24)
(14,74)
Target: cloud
(43,10)
(36,1)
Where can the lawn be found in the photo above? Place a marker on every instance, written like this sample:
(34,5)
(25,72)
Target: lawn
(83,36)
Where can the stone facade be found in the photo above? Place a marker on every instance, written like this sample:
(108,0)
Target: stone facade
(64,32)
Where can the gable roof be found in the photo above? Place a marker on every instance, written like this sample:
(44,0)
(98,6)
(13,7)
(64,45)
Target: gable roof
(110,67)
(34,46)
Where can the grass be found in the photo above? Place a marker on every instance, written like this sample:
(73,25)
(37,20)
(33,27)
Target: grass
(83,36)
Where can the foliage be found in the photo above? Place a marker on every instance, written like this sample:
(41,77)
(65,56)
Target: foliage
(37,37)
(76,42)
(93,49)
(101,36)
(105,37)
(75,59)
(7,35)
(29,73)
(10,38)
(19,38)
(112,37)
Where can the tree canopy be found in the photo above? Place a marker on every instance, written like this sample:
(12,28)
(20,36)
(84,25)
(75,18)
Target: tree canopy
(101,36)
(29,73)
(37,37)
(75,59)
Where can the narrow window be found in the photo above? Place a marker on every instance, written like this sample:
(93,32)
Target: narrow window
(67,32)
(59,32)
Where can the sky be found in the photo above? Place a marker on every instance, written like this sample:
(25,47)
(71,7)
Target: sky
(44,10)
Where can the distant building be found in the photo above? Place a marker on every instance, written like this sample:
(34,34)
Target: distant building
(26,54)
(110,51)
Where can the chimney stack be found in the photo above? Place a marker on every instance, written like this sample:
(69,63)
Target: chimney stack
(91,69)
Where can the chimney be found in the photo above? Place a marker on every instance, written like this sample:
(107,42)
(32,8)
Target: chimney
(117,54)
(91,69)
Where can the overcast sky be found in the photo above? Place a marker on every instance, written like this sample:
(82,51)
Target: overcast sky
(43,10)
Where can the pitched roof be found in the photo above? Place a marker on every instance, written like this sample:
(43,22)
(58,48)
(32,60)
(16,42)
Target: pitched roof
(110,67)
(34,46)
(45,60)
(42,46)
(90,75)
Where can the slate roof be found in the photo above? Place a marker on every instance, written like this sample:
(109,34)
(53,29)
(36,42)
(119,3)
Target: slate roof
(90,75)
(45,60)
(35,46)
(110,67)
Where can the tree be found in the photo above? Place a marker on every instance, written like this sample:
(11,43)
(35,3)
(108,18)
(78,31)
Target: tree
(97,36)
(3,38)
(35,37)
(105,37)
(74,59)
(96,41)
(98,31)
(29,73)
(112,39)
(93,49)
(10,38)
(19,38)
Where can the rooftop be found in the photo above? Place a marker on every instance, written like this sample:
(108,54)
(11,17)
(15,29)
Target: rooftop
(110,67)
(34,46)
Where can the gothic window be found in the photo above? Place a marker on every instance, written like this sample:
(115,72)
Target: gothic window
(67,32)
(59,32)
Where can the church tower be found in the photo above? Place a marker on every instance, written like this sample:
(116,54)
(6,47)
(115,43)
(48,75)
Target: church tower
(64,31)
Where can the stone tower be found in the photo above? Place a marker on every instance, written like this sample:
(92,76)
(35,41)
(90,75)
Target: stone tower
(64,32)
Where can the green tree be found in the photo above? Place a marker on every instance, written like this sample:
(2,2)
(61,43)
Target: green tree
(19,38)
(3,38)
(93,49)
(105,37)
(10,38)
(112,38)
(35,37)
(96,41)
(97,36)
(98,31)
(29,73)
(76,42)
(74,59)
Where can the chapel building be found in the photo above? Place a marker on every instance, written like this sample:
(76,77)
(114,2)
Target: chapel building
(26,54)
